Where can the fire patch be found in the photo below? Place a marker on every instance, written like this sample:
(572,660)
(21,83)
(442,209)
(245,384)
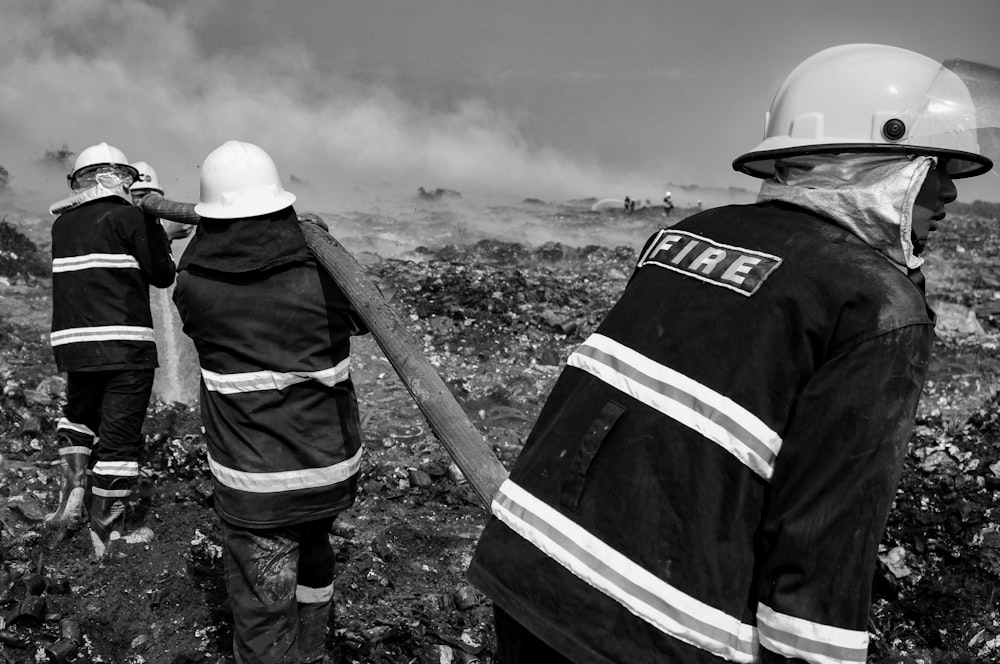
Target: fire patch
(738,269)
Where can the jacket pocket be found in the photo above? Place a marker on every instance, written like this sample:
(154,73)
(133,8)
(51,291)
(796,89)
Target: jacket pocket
(600,427)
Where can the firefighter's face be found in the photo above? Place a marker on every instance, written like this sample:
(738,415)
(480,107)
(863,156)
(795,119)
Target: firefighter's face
(937,191)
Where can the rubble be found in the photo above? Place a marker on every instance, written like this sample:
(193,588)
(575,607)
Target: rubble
(498,319)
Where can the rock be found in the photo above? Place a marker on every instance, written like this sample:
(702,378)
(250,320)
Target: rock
(54,386)
(50,389)
(28,509)
(455,474)
(464,598)
(995,469)
(436,469)
(938,461)
(383,548)
(344,529)
(143,535)
(419,478)
(895,561)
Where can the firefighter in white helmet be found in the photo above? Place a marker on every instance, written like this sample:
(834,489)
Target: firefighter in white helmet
(710,477)
(272,331)
(147,182)
(105,257)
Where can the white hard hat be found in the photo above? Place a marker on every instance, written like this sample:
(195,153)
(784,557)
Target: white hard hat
(147,180)
(870,98)
(240,180)
(102,155)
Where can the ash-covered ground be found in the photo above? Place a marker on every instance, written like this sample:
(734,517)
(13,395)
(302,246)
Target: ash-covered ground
(497,319)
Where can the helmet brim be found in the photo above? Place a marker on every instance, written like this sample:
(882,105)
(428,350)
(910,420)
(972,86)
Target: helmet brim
(246,206)
(760,163)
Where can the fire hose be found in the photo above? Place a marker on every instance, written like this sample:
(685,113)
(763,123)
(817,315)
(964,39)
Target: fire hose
(468,448)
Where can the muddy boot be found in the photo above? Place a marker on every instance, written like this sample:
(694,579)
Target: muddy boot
(107,511)
(68,516)
(313,621)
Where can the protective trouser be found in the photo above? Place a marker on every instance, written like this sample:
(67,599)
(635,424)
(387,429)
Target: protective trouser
(113,405)
(280,584)
(110,405)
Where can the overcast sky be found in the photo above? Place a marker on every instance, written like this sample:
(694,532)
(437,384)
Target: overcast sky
(552,99)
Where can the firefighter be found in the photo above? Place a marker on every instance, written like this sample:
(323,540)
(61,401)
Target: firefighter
(668,203)
(711,474)
(105,257)
(272,331)
(148,182)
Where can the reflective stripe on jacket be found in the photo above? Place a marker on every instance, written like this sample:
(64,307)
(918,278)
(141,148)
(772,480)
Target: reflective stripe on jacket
(105,256)
(711,474)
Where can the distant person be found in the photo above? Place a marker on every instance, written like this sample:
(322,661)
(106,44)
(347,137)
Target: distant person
(105,256)
(628,204)
(272,330)
(698,204)
(711,474)
(148,182)
(668,203)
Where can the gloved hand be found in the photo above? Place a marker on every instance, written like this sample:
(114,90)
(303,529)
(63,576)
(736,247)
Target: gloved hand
(310,218)
(176,230)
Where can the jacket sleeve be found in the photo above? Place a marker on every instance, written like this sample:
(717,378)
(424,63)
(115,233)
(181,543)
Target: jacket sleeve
(151,248)
(340,312)
(833,486)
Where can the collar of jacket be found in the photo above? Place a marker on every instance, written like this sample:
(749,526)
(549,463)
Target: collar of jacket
(246,245)
(96,192)
(872,196)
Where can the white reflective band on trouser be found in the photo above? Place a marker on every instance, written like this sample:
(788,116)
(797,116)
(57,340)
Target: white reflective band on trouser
(74,449)
(257,381)
(307,595)
(814,642)
(104,333)
(111,493)
(638,590)
(713,415)
(88,261)
(63,423)
(117,468)
(286,480)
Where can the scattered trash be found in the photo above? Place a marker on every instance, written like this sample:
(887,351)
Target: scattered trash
(68,644)
(465,598)
(894,560)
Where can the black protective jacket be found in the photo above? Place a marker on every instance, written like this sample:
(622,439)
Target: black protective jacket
(711,475)
(272,331)
(105,256)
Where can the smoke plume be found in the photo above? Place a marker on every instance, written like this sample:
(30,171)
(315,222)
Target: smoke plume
(135,75)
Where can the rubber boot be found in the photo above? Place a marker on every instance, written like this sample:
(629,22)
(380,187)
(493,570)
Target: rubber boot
(107,511)
(313,621)
(69,514)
